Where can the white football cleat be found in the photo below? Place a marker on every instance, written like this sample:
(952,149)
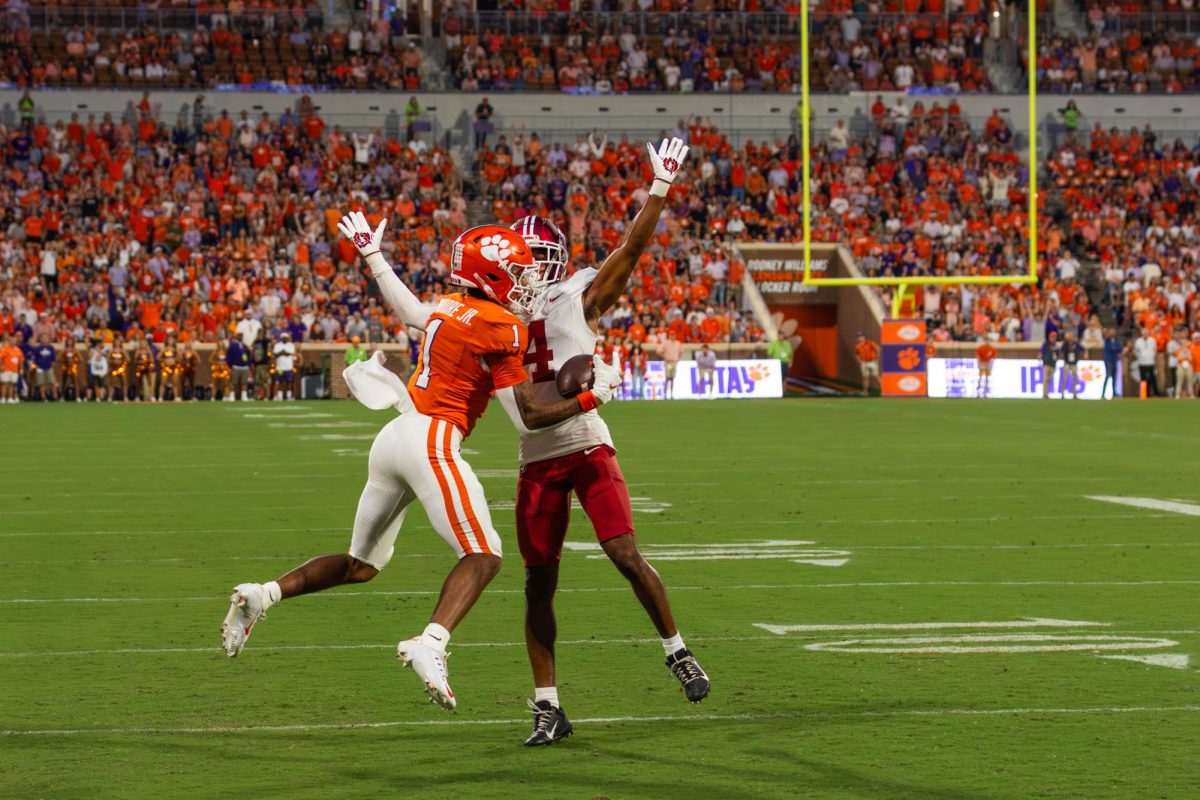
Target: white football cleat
(430,665)
(246,607)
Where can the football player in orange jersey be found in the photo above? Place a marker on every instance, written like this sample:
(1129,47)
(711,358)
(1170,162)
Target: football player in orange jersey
(474,346)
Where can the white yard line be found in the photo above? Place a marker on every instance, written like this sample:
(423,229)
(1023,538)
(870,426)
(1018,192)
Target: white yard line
(647,550)
(215,649)
(167,493)
(752,717)
(998,643)
(713,588)
(1034,622)
(1174,506)
(169,532)
(799,523)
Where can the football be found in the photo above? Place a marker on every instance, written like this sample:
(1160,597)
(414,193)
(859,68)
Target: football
(575,376)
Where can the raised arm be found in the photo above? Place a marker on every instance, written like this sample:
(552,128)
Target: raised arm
(408,307)
(621,262)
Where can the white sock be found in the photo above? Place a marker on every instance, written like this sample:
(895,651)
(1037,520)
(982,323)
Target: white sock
(673,645)
(435,636)
(546,693)
(274,594)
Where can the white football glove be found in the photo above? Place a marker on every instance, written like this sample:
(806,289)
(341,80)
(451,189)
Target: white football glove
(606,380)
(666,162)
(354,226)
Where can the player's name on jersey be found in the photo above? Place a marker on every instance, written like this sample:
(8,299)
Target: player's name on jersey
(456,309)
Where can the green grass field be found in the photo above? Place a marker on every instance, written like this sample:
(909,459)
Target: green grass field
(124,528)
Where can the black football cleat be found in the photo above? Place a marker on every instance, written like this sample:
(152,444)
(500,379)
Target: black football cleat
(550,724)
(691,675)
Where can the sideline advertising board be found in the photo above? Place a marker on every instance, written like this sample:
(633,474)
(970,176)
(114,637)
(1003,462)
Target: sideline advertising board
(737,378)
(1013,378)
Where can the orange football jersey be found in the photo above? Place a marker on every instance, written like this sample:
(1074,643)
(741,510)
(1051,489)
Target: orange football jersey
(471,349)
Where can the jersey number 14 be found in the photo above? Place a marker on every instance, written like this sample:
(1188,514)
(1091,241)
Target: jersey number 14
(539,355)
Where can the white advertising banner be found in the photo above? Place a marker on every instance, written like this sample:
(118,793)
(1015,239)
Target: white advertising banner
(1013,378)
(737,378)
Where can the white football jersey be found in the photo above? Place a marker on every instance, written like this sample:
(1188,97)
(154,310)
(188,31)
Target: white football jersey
(560,332)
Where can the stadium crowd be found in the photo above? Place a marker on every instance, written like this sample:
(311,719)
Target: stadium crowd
(239,44)
(1140,195)
(850,51)
(122,233)
(213,45)
(1132,61)
(130,231)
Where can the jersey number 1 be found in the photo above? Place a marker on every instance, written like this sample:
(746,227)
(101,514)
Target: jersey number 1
(426,346)
(539,355)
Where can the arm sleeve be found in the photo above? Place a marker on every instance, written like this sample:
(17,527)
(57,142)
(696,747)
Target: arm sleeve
(406,305)
(508,401)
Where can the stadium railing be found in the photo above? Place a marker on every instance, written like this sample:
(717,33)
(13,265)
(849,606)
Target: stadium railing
(643,23)
(134,15)
(1149,22)
(659,23)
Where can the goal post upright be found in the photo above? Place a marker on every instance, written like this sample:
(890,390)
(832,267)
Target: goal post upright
(905,283)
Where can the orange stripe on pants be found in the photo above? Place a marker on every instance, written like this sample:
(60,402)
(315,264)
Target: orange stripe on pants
(462,492)
(447,499)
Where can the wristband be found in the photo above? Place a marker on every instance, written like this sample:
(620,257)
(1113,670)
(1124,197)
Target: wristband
(588,401)
(659,188)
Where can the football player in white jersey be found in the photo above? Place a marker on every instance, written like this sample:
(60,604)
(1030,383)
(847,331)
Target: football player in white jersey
(578,455)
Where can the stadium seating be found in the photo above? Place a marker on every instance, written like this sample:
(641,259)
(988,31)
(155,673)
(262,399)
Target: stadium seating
(150,242)
(694,53)
(1140,194)
(219,45)
(1131,61)
(912,190)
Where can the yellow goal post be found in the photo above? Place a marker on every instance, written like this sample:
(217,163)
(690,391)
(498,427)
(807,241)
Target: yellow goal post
(903,283)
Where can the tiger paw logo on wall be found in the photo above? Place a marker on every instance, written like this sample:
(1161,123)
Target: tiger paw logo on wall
(909,358)
(757,372)
(787,329)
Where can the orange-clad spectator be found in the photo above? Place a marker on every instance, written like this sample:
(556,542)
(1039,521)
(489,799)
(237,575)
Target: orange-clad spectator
(35,228)
(225,126)
(985,354)
(11,359)
(867,353)
(314,127)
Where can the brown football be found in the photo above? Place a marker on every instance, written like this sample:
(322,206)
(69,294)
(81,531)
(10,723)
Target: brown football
(575,376)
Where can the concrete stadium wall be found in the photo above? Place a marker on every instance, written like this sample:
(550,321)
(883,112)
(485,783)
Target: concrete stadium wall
(548,111)
(560,117)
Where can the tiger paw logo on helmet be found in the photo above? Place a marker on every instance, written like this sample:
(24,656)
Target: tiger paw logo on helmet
(495,248)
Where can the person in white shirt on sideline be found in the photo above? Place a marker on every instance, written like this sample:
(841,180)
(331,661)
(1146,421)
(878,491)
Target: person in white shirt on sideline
(285,360)
(706,365)
(1145,357)
(672,351)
